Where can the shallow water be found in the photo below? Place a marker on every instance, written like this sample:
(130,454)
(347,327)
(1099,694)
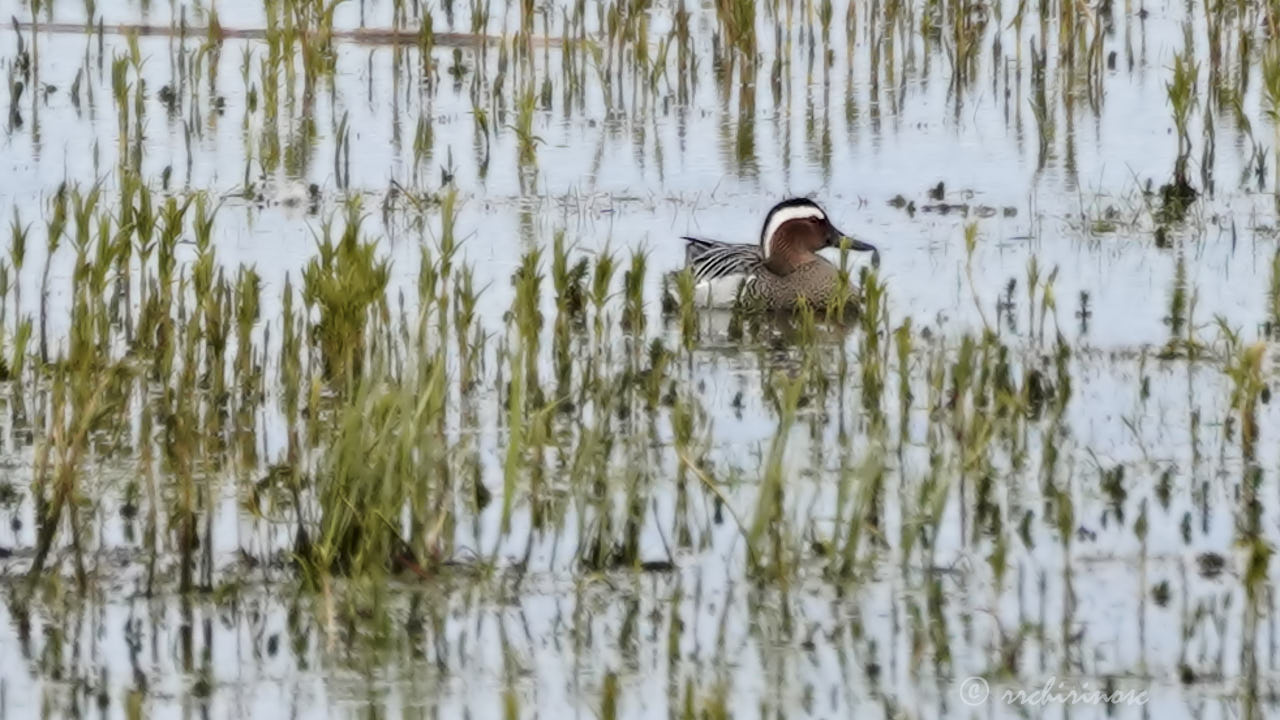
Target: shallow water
(1118,556)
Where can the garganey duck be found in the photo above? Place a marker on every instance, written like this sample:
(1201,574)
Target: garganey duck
(784,267)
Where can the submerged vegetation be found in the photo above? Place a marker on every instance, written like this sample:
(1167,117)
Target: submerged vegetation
(351,368)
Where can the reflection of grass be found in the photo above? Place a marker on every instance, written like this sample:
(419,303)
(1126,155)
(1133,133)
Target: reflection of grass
(362,36)
(1273,296)
(1271,96)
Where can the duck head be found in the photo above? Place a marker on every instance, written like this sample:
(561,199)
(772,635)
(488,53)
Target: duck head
(796,229)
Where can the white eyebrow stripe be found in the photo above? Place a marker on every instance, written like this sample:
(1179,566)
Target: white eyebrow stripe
(785,215)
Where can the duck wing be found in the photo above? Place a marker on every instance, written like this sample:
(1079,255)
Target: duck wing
(712,259)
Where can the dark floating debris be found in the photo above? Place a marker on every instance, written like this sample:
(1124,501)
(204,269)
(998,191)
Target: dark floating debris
(1175,198)
(1211,564)
(1161,593)
(1162,238)
(937,192)
(901,203)
(943,208)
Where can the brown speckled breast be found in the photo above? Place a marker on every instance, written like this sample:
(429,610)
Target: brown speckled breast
(815,281)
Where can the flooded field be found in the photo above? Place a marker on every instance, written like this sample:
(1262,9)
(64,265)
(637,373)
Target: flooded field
(344,372)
